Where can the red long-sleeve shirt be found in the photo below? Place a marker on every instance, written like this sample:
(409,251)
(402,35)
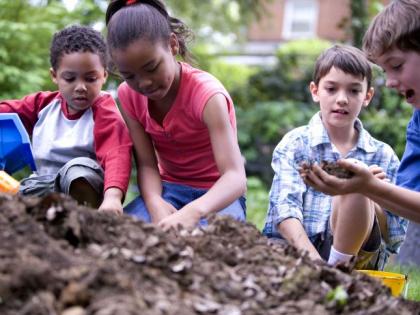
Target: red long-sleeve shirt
(58,136)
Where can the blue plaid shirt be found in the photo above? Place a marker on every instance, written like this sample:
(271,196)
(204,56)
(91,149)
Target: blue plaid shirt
(290,197)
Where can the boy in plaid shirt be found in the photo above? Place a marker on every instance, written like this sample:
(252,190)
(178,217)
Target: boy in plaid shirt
(321,224)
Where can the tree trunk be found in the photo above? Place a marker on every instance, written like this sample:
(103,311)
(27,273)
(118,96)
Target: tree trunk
(410,250)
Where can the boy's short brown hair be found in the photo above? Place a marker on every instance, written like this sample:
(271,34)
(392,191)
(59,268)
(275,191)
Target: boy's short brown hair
(398,25)
(348,59)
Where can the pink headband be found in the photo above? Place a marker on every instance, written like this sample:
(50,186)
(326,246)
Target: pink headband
(128,2)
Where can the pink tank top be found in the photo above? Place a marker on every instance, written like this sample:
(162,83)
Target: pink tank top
(182,144)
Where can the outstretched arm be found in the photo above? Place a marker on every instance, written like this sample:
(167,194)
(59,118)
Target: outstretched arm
(148,177)
(287,195)
(398,200)
(28,107)
(232,182)
(293,231)
(113,152)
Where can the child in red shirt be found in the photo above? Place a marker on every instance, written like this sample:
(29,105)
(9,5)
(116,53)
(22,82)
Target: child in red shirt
(181,120)
(80,143)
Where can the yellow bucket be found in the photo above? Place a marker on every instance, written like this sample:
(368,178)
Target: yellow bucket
(395,281)
(8,184)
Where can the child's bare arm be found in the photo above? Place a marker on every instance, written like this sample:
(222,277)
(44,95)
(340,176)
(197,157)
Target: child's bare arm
(232,182)
(400,201)
(112,201)
(148,177)
(327,181)
(292,230)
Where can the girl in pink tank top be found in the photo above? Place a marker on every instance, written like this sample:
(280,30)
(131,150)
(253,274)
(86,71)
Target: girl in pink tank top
(181,120)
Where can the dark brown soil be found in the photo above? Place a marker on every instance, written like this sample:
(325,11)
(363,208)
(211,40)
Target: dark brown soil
(58,258)
(331,167)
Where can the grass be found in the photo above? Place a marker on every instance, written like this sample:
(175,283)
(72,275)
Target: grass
(413,274)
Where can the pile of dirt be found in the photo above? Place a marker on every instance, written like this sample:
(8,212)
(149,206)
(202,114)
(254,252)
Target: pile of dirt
(59,258)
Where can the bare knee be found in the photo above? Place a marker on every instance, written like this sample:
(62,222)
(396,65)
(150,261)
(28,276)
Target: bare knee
(351,221)
(349,206)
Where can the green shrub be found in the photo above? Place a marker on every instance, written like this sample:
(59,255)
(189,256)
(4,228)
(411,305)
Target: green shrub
(290,78)
(234,78)
(256,202)
(261,127)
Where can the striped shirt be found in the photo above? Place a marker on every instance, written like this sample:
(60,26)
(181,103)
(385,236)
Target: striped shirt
(290,197)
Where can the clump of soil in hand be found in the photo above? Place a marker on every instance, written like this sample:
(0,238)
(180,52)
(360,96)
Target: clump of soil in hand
(59,258)
(331,167)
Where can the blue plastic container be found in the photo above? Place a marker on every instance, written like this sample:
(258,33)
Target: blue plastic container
(15,145)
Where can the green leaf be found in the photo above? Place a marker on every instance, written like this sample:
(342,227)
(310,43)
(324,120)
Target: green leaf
(338,295)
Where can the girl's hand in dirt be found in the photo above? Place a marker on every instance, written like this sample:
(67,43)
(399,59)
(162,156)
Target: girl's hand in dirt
(160,209)
(331,185)
(187,217)
(112,201)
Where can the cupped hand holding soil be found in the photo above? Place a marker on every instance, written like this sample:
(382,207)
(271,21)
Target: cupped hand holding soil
(332,168)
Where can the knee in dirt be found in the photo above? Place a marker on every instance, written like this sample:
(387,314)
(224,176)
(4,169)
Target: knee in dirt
(84,193)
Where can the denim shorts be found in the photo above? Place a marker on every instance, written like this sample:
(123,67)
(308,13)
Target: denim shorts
(180,195)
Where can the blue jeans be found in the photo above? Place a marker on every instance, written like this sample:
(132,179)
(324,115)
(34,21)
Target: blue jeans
(180,195)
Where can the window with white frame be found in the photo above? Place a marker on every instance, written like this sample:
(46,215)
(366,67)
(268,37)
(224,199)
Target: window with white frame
(300,19)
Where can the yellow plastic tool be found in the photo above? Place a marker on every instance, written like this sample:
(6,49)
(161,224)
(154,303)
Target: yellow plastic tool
(8,184)
(15,151)
(397,282)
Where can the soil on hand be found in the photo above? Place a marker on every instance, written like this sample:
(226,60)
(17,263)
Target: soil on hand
(59,258)
(331,167)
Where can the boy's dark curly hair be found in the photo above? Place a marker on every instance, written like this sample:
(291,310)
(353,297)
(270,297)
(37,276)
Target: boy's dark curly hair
(77,38)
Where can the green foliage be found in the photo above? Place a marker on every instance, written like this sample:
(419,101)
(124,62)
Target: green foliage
(23,66)
(362,12)
(290,78)
(388,125)
(309,49)
(256,202)
(221,16)
(261,127)
(26,31)
(234,78)
(338,296)
(89,12)
(359,21)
